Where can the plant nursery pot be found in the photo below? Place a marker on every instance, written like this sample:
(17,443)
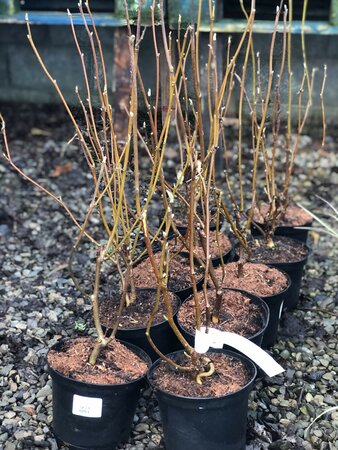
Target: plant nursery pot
(273,301)
(183,294)
(275,304)
(90,416)
(161,334)
(216,260)
(224,258)
(256,338)
(211,423)
(141,282)
(294,270)
(287,229)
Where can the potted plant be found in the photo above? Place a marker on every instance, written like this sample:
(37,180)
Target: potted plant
(278,214)
(281,252)
(97,381)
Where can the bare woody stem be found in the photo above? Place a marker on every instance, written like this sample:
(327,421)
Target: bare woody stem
(101,341)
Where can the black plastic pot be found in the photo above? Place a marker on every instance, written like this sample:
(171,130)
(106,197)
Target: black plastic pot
(185,293)
(182,294)
(275,304)
(256,338)
(290,232)
(115,419)
(217,423)
(217,261)
(160,333)
(183,228)
(295,272)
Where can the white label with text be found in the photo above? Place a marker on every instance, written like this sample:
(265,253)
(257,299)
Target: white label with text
(87,406)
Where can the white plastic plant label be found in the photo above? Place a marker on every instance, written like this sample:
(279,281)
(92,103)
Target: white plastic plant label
(202,341)
(87,406)
(216,339)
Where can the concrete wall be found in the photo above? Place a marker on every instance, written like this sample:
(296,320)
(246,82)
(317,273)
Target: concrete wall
(22,79)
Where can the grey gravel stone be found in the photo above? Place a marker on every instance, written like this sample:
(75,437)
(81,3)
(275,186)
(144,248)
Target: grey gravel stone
(142,427)
(44,392)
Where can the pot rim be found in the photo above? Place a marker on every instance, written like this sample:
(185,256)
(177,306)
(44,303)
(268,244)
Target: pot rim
(293,227)
(248,363)
(140,352)
(263,297)
(198,281)
(264,310)
(185,255)
(308,223)
(277,237)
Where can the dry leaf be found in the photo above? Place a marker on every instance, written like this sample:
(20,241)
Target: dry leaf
(60,170)
(30,410)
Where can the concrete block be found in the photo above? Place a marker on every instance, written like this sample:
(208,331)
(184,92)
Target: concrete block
(62,35)
(62,62)
(17,95)
(17,33)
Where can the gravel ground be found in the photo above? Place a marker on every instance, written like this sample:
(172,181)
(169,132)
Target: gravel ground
(39,303)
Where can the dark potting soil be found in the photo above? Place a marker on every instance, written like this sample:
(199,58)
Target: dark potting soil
(136,315)
(115,365)
(238,313)
(219,245)
(284,251)
(230,375)
(294,216)
(258,279)
(179,273)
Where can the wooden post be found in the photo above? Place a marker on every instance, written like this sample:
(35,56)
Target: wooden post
(121,82)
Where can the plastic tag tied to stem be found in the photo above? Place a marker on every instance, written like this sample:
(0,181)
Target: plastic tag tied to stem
(216,339)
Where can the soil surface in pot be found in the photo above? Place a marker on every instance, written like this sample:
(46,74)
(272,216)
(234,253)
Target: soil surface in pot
(294,216)
(239,314)
(284,251)
(219,245)
(230,375)
(136,315)
(259,279)
(181,213)
(115,365)
(179,273)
